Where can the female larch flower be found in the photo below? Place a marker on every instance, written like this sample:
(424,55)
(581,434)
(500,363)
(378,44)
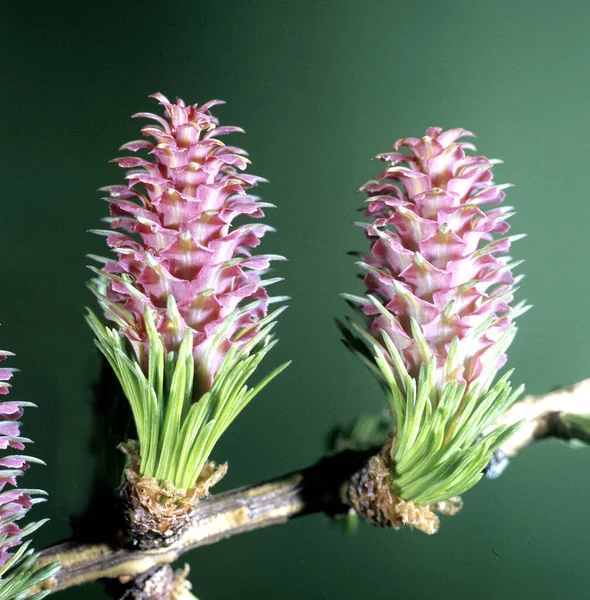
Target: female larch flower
(15,503)
(186,266)
(439,320)
(187,294)
(18,563)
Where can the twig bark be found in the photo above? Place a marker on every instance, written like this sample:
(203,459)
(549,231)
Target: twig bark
(311,490)
(324,487)
(543,416)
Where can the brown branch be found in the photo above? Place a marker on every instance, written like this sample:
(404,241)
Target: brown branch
(543,416)
(315,489)
(324,487)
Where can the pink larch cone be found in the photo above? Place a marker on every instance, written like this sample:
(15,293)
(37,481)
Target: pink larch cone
(436,257)
(439,320)
(14,503)
(178,256)
(188,294)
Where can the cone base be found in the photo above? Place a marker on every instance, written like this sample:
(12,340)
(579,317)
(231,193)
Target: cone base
(369,493)
(157,513)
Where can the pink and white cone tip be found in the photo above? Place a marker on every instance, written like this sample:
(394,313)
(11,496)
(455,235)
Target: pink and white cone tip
(178,256)
(438,261)
(15,502)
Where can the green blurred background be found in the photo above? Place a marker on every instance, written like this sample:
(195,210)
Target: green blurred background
(320,87)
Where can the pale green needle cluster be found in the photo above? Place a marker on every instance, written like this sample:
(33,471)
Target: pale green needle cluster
(176,434)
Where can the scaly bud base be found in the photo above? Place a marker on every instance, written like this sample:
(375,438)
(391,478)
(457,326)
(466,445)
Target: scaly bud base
(369,493)
(156,513)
